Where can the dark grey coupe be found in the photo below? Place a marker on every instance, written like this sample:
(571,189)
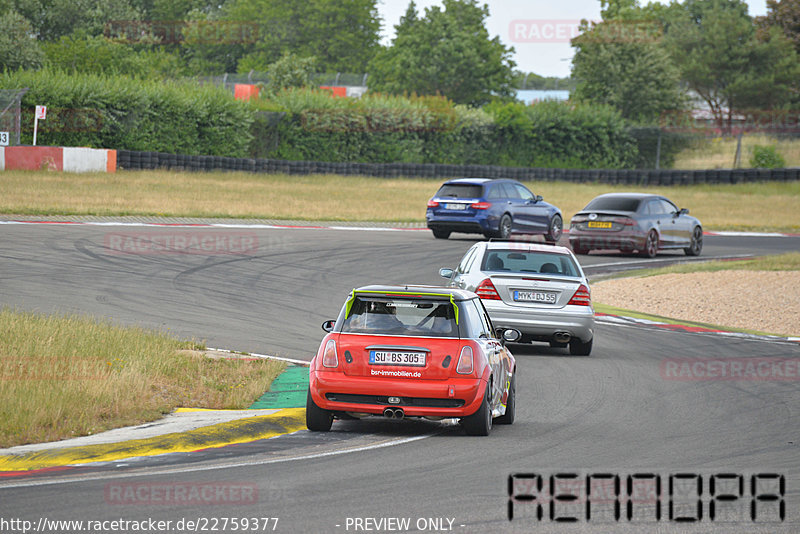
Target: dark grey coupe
(635,221)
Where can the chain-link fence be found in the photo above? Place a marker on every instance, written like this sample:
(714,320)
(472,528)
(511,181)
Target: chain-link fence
(10,115)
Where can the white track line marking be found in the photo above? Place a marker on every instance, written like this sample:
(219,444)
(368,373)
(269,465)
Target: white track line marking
(257,226)
(195,469)
(725,233)
(265,356)
(663,260)
(213,225)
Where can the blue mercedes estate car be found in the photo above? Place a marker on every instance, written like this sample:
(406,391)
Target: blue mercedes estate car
(494,208)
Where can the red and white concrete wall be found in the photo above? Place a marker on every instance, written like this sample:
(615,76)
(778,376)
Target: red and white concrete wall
(56,158)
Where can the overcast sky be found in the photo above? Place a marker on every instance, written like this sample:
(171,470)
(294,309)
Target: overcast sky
(539,30)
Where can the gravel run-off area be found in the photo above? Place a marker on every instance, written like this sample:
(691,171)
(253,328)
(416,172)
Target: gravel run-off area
(766,301)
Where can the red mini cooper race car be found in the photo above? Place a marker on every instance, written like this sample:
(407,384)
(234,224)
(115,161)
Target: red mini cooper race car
(413,351)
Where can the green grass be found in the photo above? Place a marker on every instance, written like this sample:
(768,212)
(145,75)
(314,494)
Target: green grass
(780,262)
(770,206)
(67,376)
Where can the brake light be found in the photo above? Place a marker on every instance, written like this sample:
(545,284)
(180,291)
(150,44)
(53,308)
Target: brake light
(582,297)
(329,358)
(627,221)
(433,204)
(487,291)
(465,365)
(481,205)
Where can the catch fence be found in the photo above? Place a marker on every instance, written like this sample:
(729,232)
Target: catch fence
(10,116)
(127,159)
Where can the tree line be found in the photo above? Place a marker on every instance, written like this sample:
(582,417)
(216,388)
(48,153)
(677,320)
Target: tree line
(447,50)
(646,61)
(652,62)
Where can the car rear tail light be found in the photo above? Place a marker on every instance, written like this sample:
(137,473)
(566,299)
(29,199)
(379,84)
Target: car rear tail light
(582,297)
(487,291)
(433,204)
(329,358)
(626,221)
(481,205)
(465,365)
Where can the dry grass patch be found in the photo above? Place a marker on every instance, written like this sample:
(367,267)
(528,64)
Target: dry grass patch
(757,206)
(720,152)
(67,376)
(215,194)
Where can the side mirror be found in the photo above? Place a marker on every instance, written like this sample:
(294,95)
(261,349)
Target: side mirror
(509,335)
(444,272)
(328,325)
(683,211)
(538,198)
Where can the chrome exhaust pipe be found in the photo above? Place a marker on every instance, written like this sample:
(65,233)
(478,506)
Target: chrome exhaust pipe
(562,337)
(390,413)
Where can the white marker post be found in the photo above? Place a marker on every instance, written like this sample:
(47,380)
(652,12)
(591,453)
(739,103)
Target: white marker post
(41,113)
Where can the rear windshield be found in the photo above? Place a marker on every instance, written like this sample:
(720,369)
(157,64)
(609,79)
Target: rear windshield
(515,261)
(401,317)
(460,191)
(613,204)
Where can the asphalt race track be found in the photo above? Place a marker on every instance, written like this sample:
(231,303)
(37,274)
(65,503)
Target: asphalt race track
(613,413)
(270,301)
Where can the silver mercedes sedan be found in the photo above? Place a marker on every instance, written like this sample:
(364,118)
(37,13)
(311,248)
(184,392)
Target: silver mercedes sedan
(537,289)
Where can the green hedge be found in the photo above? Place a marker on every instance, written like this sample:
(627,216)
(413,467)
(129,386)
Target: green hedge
(381,129)
(301,124)
(124,113)
(562,134)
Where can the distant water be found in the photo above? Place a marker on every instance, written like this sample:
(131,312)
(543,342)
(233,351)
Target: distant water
(533,95)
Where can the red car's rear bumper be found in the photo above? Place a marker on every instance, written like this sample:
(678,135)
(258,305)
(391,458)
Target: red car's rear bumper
(469,389)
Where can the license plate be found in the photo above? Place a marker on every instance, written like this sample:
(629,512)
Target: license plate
(599,224)
(455,206)
(393,357)
(535,296)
